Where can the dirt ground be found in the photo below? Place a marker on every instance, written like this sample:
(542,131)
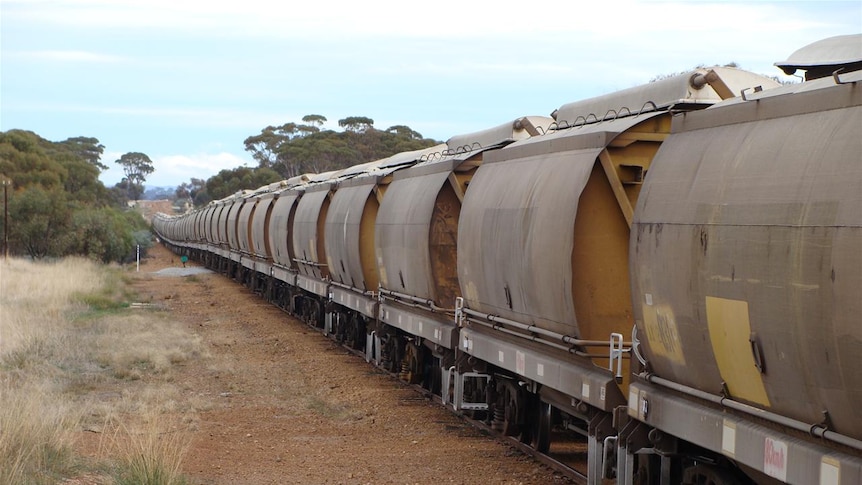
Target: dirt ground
(287,405)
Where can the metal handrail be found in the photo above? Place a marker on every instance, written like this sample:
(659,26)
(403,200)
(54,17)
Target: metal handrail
(309,263)
(426,302)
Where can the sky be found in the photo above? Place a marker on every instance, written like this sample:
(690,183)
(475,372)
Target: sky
(186,81)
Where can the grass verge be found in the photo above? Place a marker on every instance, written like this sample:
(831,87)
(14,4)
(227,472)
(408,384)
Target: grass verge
(67,340)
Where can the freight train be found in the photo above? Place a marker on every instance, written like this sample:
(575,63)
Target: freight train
(674,271)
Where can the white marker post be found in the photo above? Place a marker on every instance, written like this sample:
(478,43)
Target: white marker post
(138,258)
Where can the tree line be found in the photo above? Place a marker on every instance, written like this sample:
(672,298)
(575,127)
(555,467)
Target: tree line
(57,206)
(296,148)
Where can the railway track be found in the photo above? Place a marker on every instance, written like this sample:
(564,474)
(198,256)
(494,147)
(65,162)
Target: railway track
(571,470)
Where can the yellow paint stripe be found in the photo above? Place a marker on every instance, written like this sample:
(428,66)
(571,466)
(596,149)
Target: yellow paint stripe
(729,332)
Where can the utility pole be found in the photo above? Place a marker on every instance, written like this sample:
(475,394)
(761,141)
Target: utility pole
(6,183)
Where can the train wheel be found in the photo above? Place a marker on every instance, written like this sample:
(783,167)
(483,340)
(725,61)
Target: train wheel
(317,315)
(356,332)
(509,409)
(411,369)
(540,427)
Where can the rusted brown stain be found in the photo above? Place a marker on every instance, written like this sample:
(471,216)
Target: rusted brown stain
(444,246)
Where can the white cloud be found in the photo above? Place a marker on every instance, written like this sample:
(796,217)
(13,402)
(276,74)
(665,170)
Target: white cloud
(176,169)
(172,170)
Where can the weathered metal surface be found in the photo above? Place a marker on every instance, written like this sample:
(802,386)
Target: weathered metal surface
(230,219)
(576,377)
(308,231)
(212,223)
(747,254)
(416,235)
(349,236)
(767,450)
(544,234)
(350,221)
(402,239)
(220,222)
(281,228)
(263,267)
(363,304)
(434,327)
(516,240)
(248,262)
(243,224)
(193,227)
(312,285)
(283,274)
(201,222)
(260,227)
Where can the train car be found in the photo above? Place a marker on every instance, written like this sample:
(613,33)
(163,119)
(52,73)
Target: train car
(415,248)
(543,260)
(746,263)
(349,238)
(671,271)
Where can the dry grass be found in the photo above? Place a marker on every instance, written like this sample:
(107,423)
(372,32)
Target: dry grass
(67,338)
(147,449)
(35,443)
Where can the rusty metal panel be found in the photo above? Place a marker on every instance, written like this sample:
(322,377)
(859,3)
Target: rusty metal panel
(346,233)
(403,231)
(281,228)
(747,255)
(308,233)
(260,227)
(515,239)
(243,223)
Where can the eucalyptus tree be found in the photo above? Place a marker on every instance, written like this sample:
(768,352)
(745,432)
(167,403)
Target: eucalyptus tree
(136,167)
